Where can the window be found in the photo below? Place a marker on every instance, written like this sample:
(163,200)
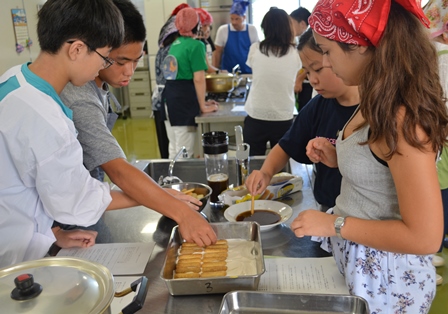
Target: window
(260,7)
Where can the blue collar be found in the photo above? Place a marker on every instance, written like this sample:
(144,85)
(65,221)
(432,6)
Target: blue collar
(45,88)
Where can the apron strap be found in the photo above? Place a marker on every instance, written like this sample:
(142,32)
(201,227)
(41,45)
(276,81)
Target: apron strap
(21,79)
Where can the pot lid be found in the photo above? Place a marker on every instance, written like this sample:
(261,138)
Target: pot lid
(219,75)
(68,285)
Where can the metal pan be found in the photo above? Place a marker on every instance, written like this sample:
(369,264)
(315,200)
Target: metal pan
(194,286)
(251,302)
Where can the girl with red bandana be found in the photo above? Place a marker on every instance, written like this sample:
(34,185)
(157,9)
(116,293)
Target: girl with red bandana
(388,218)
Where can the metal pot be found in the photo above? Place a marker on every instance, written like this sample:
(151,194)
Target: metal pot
(62,285)
(223,82)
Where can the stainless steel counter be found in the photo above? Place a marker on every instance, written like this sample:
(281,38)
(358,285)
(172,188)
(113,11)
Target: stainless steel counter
(229,114)
(139,224)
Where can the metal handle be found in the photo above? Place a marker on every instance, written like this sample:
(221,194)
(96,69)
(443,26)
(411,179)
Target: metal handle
(139,299)
(235,68)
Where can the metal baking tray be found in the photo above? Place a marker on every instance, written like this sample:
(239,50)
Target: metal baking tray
(193,286)
(251,302)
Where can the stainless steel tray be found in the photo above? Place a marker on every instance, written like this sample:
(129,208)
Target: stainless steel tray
(257,302)
(193,286)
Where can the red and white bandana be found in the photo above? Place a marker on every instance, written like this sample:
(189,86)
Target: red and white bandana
(358,22)
(186,21)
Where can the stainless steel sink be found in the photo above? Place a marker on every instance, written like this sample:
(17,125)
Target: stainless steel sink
(193,170)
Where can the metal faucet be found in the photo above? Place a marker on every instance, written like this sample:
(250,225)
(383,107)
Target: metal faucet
(170,179)
(183,151)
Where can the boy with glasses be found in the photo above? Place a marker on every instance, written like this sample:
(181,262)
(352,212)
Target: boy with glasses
(93,119)
(42,175)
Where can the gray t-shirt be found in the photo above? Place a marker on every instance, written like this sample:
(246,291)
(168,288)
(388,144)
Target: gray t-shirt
(90,107)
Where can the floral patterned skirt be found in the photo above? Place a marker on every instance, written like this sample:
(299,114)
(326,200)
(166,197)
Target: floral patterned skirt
(389,282)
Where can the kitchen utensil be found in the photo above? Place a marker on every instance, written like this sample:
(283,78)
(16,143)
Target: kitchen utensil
(242,156)
(284,302)
(69,285)
(280,208)
(238,135)
(252,205)
(242,163)
(198,188)
(190,286)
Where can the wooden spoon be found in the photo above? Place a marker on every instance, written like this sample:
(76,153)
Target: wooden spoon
(252,205)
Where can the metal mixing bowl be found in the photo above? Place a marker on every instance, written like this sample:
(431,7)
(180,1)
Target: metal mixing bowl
(199,188)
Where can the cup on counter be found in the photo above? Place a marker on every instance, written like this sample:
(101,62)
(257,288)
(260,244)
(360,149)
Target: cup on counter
(216,146)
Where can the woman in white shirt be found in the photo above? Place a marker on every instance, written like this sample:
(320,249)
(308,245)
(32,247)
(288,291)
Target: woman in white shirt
(275,63)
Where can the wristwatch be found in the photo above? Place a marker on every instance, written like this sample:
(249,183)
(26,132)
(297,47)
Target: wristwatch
(338,224)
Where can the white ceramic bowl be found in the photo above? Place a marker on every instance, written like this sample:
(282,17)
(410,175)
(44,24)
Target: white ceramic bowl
(280,208)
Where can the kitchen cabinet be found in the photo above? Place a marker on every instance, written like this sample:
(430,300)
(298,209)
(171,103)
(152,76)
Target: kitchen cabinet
(140,95)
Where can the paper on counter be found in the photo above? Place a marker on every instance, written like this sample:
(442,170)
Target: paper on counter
(238,109)
(120,284)
(302,275)
(119,258)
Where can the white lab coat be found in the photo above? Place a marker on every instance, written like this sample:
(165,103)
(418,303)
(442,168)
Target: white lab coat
(42,177)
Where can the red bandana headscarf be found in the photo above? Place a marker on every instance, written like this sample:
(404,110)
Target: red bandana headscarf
(186,20)
(358,22)
(204,16)
(178,8)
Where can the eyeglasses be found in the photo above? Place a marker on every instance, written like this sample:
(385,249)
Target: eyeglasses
(107,61)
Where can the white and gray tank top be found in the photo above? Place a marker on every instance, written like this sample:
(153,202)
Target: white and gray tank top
(367,188)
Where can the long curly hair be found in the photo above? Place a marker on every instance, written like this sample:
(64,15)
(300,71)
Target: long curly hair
(403,71)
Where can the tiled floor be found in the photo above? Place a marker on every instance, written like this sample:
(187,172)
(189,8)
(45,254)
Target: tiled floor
(138,139)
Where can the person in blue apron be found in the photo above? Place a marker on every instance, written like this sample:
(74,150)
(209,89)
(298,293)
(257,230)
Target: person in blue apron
(233,40)
(184,69)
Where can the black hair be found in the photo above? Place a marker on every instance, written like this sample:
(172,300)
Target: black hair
(306,40)
(98,23)
(195,30)
(134,26)
(170,39)
(300,14)
(278,33)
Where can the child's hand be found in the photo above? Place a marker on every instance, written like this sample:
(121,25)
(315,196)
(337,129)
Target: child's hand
(257,182)
(191,201)
(74,238)
(314,223)
(321,150)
